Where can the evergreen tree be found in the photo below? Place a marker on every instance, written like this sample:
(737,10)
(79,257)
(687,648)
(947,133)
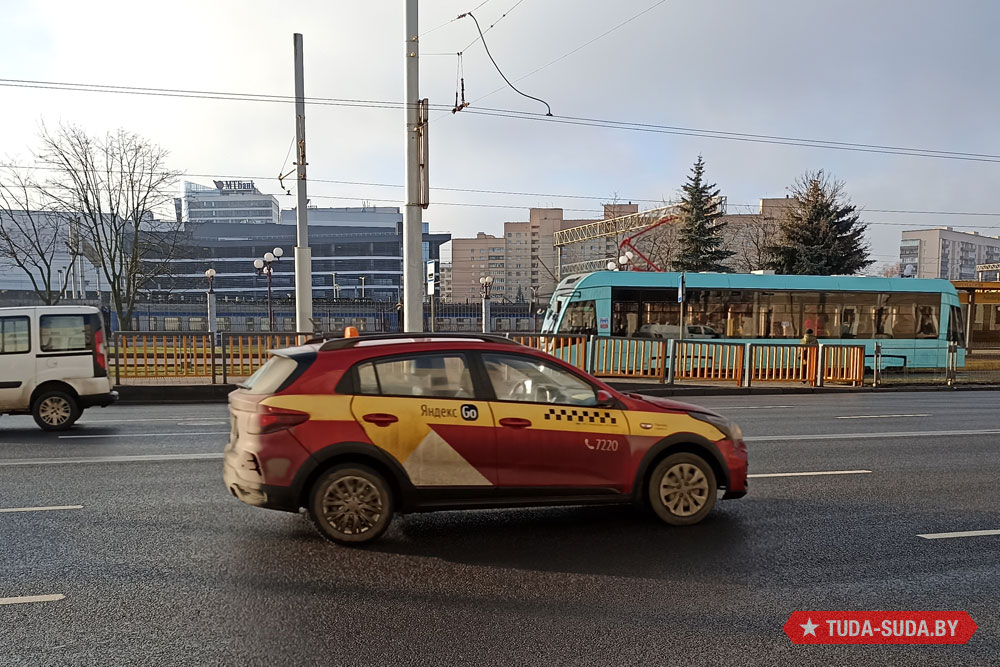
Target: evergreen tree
(520,295)
(700,234)
(821,232)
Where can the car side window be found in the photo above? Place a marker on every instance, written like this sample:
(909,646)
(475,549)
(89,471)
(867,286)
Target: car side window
(426,375)
(65,333)
(530,380)
(14,338)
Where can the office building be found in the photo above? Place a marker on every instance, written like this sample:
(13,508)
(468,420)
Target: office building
(231,202)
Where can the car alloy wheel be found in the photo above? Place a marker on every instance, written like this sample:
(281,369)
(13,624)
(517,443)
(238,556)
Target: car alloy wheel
(682,489)
(351,504)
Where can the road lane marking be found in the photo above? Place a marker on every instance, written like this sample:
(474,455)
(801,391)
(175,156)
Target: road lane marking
(214,422)
(923,414)
(32,598)
(749,407)
(42,509)
(115,459)
(144,435)
(858,436)
(148,419)
(963,533)
(811,474)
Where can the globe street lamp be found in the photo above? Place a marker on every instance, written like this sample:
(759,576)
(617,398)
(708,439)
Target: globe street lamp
(485,284)
(264,268)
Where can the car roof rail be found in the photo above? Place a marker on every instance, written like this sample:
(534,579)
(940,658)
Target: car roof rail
(342,343)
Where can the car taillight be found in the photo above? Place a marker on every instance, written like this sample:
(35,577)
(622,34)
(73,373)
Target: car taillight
(99,354)
(270,419)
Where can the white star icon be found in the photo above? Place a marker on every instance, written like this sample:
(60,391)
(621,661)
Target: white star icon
(808,628)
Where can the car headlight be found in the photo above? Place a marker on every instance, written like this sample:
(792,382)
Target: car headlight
(729,428)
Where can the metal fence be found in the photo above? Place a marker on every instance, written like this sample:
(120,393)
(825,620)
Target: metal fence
(186,357)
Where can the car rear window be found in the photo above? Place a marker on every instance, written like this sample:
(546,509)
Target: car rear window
(66,333)
(269,377)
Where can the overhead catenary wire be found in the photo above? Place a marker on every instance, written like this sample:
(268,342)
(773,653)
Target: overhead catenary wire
(507,113)
(552,195)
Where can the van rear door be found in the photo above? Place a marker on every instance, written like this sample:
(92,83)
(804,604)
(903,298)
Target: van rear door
(69,345)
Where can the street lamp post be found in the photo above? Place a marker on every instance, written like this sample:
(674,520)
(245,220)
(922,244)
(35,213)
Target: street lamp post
(264,268)
(534,292)
(210,296)
(362,280)
(336,288)
(485,284)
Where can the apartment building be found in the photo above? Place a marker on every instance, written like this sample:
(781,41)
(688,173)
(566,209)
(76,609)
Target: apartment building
(942,252)
(523,260)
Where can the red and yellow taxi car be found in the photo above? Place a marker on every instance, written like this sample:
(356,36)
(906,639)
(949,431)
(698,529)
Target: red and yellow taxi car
(357,429)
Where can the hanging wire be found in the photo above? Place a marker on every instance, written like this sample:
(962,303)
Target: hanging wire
(499,71)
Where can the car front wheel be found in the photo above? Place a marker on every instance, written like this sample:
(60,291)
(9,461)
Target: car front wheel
(55,411)
(351,504)
(682,489)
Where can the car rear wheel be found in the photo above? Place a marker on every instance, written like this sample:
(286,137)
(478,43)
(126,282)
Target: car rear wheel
(351,504)
(55,411)
(682,489)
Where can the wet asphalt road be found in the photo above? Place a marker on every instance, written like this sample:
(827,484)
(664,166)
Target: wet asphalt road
(161,566)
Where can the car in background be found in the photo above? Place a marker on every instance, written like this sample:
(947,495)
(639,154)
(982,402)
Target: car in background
(53,363)
(691,331)
(358,429)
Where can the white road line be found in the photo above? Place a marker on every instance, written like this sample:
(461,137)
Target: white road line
(144,435)
(923,414)
(964,533)
(32,598)
(860,436)
(114,459)
(149,419)
(811,474)
(750,407)
(42,509)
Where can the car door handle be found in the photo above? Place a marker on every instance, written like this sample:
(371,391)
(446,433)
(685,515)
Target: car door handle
(380,418)
(515,422)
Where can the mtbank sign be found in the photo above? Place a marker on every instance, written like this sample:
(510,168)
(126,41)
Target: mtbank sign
(235,186)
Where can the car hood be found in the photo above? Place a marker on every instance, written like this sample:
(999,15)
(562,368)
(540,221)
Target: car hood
(670,405)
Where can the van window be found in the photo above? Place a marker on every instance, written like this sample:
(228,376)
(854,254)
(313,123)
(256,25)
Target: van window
(14,338)
(65,333)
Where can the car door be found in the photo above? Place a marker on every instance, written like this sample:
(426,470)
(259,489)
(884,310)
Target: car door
(550,430)
(16,361)
(65,346)
(422,410)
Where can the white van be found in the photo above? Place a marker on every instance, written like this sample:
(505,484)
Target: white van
(53,363)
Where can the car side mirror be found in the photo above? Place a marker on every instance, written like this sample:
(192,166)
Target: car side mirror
(605,399)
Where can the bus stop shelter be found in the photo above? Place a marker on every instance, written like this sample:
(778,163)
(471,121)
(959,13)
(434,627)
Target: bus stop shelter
(981,309)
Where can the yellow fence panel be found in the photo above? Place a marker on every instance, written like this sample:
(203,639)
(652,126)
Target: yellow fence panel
(709,361)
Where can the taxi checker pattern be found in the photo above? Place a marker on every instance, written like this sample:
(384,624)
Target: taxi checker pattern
(589,416)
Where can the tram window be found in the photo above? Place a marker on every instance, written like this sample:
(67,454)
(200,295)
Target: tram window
(579,318)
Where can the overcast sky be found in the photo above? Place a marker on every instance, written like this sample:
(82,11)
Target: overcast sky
(902,73)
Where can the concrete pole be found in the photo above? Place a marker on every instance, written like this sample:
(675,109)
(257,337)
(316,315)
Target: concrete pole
(486,313)
(303,253)
(413,302)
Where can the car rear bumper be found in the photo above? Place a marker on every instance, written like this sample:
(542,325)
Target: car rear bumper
(282,498)
(99,400)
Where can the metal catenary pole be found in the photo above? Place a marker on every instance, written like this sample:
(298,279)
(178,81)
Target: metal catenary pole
(303,253)
(413,308)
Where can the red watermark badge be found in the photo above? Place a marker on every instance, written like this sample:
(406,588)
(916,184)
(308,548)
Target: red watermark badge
(880,627)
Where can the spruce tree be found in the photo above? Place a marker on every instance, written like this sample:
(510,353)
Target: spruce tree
(821,232)
(700,234)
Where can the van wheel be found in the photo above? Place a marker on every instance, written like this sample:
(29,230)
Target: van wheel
(350,504)
(55,411)
(682,489)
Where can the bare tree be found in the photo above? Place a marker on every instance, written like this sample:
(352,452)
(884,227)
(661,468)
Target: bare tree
(114,185)
(32,236)
(750,237)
